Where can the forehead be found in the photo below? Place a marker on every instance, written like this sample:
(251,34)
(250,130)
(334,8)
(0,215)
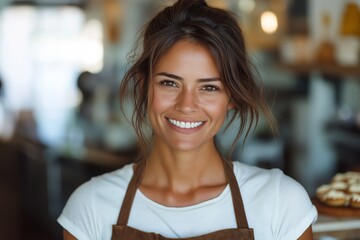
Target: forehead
(186,57)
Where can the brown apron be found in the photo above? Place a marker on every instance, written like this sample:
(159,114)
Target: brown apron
(121,231)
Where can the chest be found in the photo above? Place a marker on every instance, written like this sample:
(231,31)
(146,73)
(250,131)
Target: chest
(173,222)
(182,199)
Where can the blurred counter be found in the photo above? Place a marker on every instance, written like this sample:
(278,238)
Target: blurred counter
(336,227)
(336,222)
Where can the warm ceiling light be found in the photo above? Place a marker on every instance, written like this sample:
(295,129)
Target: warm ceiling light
(269,22)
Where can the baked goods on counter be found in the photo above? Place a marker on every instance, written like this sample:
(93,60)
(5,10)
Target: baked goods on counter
(342,191)
(355,200)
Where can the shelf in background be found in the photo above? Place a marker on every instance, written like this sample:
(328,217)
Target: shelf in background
(344,135)
(326,69)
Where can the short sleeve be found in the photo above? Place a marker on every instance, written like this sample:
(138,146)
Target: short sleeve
(79,216)
(295,209)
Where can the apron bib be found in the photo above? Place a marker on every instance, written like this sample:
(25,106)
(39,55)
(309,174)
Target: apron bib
(121,231)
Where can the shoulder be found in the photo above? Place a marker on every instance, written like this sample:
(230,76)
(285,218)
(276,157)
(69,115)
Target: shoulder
(259,178)
(271,185)
(252,175)
(96,203)
(283,205)
(119,179)
(101,185)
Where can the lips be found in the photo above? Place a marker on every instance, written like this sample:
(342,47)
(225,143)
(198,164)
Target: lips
(185,125)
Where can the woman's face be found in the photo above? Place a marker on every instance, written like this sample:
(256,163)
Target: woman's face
(187,99)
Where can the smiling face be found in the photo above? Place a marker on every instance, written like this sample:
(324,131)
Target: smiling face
(187,102)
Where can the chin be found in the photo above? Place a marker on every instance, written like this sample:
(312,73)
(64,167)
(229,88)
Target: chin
(185,146)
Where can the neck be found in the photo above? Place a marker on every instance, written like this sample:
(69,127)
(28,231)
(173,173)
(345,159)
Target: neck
(181,171)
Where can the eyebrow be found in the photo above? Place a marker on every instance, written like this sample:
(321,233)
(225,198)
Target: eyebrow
(169,75)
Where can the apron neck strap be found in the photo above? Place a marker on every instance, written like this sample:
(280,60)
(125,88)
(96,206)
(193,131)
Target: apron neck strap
(136,179)
(239,209)
(130,194)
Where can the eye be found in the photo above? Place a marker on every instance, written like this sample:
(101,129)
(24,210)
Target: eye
(168,83)
(210,88)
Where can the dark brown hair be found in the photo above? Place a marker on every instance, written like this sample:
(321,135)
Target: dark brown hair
(219,32)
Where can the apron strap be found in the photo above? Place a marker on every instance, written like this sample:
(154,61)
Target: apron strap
(236,195)
(129,196)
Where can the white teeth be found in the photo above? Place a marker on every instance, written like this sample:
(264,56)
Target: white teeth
(184,124)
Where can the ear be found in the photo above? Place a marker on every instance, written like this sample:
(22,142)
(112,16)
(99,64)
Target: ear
(230,106)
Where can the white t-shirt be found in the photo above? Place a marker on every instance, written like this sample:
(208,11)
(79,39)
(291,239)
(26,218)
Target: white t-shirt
(277,207)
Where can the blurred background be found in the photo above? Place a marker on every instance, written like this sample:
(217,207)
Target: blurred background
(61,62)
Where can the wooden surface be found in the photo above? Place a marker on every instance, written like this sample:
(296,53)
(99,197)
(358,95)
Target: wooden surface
(336,211)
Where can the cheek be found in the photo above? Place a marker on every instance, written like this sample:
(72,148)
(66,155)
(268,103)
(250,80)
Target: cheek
(218,111)
(216,105)
(160,101)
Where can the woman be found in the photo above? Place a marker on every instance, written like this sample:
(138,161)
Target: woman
(193,71)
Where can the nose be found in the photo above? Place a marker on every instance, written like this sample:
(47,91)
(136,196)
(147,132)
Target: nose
(186,102)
